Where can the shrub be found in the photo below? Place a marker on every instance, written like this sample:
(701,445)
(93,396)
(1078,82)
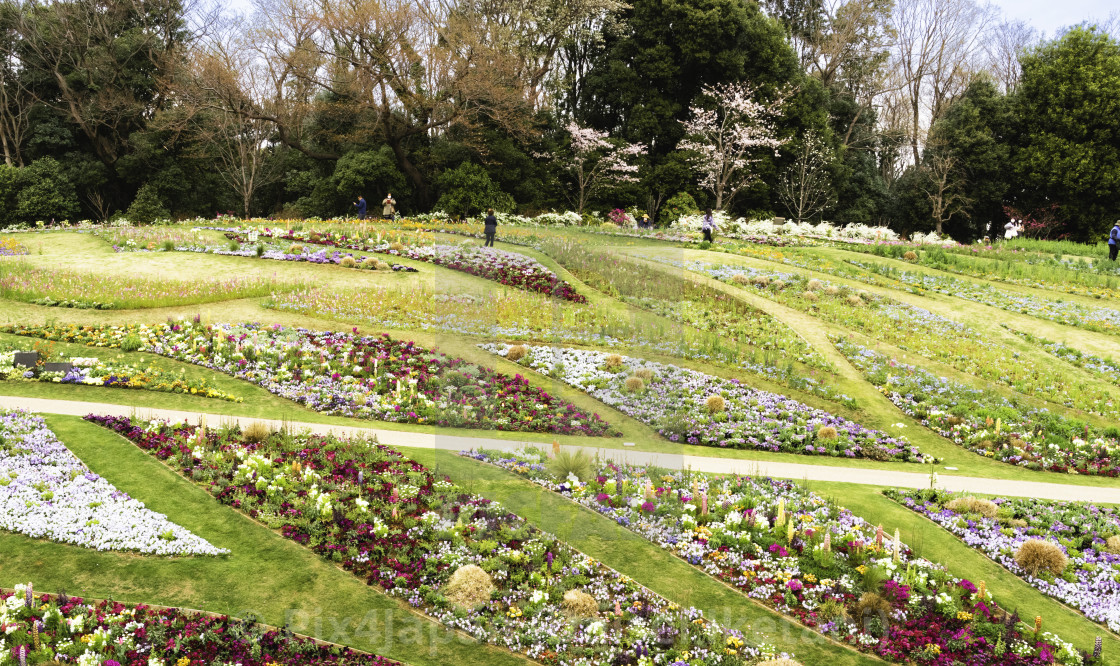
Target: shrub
(761,280)
(147,207)
(811,296)
(1113,544)
(382,266)
(348,262)
(644,374)
(614,361)
(679,205)
(983,507)
(813,284)
(827,432)
(854,301)
(1036,555)
(740,278)
(516,353)
(610,226)
(468,587)
(468,189)
(256,432)
(369,263)
(715,404)
(832,290)
(778,285)
(635,384)
(567,463)
(396,245)
(580,604)
(295,248)
(910,255)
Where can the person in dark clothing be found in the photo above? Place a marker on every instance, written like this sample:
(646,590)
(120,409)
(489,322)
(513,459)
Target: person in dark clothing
(1114,241)
(361,205)
(708,225)
(491,227)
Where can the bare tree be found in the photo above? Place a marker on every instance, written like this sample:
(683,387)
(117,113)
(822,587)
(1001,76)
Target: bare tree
(937,48)
(806,188)
(16,100)
(1007,42)
(943,187)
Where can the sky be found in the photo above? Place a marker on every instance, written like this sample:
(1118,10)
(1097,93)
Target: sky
(1048,16)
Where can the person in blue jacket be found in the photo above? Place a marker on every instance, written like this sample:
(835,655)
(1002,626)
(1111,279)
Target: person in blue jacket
(1114,241)
(361,204)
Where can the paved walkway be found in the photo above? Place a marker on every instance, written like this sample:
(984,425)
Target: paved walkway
(396,438)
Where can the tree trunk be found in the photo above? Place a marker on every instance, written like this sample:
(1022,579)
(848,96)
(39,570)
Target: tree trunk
(414,175)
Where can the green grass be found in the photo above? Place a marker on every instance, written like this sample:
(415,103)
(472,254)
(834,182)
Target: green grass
(267,575)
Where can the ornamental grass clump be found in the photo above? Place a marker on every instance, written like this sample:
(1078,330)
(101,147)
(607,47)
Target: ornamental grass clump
(855,301)
(832,290)
(348,262)
(382,266)
(572,463)
(910,255)
(715,404)
(468,587)
(256,432)
(613,362)
(740,278)
(369,263)
(644,374)
(580,604)
(984,507)
(517,352)
(761,281)
(397,245)
(811,296)
(871,606)
(1035,556)
(813,284)
(827,432)
(1113,544)
(295,248)
(634,385)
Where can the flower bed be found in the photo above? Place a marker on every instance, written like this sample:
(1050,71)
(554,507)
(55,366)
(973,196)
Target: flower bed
(918,330)
(793,551)
(97,372)
(51,629)
(508,268)
(694,408)
(47,493)
(348,374)
(396,524)
(1088,582)
(1103,368)
(10,247)
(988,423)
(58,287)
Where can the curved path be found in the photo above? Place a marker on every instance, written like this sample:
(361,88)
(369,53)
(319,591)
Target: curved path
(399,439)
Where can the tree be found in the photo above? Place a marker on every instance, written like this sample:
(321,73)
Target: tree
(46,194)
(806,189)
(16,100)
(976,133)
(1068,111)
(942,186)
(595,162)
(726,135)
(1009,40)
(147,207)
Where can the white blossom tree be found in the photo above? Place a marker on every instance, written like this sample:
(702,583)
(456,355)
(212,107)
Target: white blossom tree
(805,189)
(725,138)
(597,161)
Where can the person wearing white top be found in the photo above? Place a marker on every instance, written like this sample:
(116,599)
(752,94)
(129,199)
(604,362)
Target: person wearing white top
(1012,229)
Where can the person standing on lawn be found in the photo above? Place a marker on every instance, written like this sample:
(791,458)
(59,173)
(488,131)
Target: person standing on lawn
(388,207)
(361,204)
(1114,241)
(708,225)
(491,227)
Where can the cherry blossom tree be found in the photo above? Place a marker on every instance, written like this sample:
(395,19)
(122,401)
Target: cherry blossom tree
(805,189)
(597,161)
(724,137)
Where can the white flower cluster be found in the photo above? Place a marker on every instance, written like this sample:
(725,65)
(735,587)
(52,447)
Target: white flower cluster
(46,492)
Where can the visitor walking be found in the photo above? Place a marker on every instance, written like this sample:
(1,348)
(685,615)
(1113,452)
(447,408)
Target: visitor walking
(491,227)
(388,207)
(361,204)
(708,226)
(1114,241)
(1012,229)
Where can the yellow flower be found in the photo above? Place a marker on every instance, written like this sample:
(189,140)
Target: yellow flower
(183,661)
(964,615)
(861,569)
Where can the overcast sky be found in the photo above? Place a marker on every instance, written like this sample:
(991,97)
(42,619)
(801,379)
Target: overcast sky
(1049,16)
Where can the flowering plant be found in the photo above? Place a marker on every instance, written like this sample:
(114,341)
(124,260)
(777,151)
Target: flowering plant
(373,377)
(49,629)
(398,525)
